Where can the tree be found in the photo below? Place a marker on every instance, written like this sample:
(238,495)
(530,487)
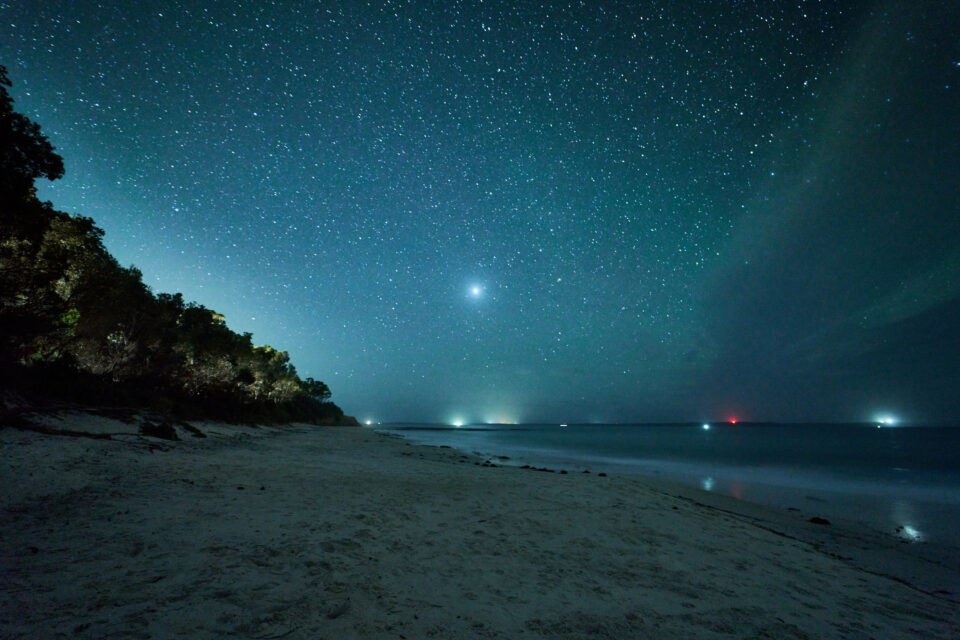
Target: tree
(74,322)
(55,272)
(25,153)
(209,349)
(316,390)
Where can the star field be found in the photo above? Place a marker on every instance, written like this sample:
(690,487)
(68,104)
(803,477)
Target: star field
(531,211)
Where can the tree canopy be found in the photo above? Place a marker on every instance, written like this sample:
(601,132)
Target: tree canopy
(25,153)
(72,319)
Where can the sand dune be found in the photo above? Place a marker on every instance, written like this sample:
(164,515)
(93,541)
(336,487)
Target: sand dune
(306,532)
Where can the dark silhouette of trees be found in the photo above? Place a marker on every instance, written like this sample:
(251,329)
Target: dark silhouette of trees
(317,389)
(73,320)
(26,153)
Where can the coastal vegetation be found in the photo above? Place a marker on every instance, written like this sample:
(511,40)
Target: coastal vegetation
(76,325)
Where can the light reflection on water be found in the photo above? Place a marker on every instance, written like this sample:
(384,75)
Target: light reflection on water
(910,533)
(904,516)
(736,490)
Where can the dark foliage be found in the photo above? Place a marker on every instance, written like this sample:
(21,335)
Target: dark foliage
(25,153)
(76,325)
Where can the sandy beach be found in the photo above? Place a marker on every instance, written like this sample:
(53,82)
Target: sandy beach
(306,532)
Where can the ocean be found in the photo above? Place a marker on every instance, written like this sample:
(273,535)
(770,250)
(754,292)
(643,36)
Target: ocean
(902,481)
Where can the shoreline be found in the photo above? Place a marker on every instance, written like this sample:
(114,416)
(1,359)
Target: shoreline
(929,567)
(342,532)
(923,515)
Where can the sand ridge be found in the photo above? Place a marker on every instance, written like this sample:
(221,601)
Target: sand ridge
(305,532)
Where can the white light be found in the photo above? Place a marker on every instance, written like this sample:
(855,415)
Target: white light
(706,427)
(369,422)
(707,484)
(458,423)
(910,533)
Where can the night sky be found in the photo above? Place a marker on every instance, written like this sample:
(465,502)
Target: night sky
(524,211)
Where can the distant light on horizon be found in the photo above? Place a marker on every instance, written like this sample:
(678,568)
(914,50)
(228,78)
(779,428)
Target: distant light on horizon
(732,421)
(706,426)
(886,420)
(369,422)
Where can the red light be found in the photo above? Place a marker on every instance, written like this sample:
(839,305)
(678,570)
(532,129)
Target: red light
(733,421)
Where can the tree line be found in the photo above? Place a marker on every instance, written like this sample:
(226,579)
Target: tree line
(75,324)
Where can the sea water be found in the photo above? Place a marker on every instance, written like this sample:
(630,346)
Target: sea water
(902,481)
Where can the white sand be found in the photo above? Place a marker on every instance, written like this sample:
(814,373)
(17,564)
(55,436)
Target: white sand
(357,535)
